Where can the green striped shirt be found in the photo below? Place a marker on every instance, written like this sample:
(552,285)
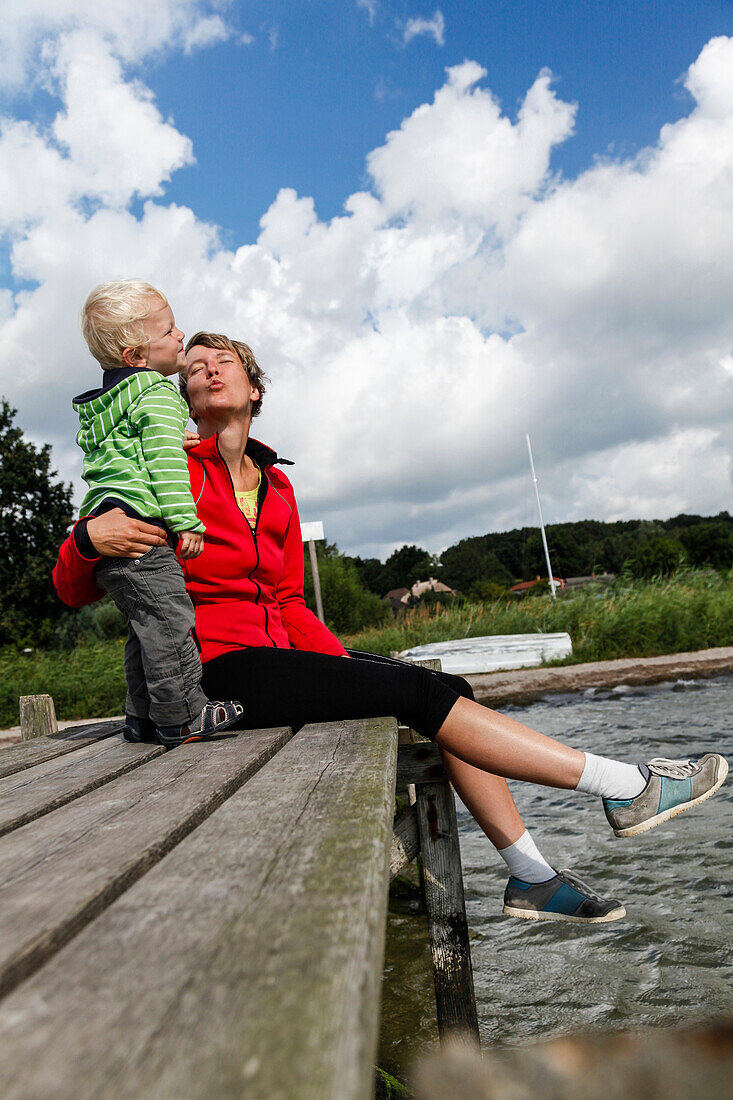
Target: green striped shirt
(132,439)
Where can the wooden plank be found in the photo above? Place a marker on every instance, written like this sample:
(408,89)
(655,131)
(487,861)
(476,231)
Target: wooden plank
(36,791)
(37,716)
(247,963)
(59,872)
(26,755)
(419,763)
(443,885)
(405,841)
(104,727)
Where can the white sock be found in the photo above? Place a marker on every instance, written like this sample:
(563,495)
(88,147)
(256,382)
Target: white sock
(525,861)
(610,778)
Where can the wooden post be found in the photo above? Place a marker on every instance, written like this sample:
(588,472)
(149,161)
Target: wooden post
(37,717)
(441,878)
(316,579)
(444,899)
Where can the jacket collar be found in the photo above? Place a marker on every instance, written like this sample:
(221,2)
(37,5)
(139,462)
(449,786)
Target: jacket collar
(110,378)
(258,452)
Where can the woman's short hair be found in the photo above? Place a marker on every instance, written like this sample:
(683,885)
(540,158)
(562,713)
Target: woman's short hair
(246,357)
(112,318)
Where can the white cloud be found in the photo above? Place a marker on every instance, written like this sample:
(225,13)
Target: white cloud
(435,28)
(207,31)
(371,7)
(467,297)
(460,158)
(110,128)
(133,29)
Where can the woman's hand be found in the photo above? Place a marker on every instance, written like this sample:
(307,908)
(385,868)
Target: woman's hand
(190,440)
(115,535)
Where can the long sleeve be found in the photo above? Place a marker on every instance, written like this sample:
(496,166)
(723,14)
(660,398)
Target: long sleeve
(159,417)
(73,574)
(304,629)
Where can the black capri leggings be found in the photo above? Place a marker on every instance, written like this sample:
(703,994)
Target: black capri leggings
(289,687)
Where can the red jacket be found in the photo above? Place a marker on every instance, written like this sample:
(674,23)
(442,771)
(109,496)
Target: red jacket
(246,586)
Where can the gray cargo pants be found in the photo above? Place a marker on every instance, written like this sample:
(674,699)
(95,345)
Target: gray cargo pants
(162,666)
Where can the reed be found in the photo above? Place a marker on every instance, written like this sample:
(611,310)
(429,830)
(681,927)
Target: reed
(690,610)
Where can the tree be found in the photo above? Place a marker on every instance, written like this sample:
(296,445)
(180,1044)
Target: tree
(405,566)
(656,556)
(35,513)
(347,605)
(709,543)
(469,563)
(370,570)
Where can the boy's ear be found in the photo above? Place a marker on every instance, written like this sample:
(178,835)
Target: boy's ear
(133,357)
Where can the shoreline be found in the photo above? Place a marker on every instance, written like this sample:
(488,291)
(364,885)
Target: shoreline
(527,685)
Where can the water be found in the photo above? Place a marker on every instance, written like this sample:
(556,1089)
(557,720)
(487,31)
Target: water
(668,962)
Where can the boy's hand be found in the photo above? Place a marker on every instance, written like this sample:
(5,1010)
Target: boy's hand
(190,440)
(191,544)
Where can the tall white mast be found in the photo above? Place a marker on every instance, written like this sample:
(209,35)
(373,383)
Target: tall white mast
(542,525)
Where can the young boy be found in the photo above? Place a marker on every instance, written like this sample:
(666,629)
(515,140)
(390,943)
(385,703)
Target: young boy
(132,437)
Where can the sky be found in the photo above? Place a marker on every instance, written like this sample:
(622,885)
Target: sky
(439,226)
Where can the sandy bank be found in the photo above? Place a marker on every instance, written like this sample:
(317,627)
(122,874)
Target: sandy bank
(524,685)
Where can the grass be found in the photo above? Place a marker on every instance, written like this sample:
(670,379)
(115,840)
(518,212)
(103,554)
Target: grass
(85,682)
(691,610)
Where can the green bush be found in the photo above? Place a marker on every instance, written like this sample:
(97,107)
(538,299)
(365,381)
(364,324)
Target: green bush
(347,605)
(100,621)
(87,682)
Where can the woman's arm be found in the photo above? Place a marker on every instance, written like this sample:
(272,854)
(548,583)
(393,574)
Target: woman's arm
(111,535)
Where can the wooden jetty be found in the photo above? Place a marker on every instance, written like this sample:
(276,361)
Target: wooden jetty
(210,922)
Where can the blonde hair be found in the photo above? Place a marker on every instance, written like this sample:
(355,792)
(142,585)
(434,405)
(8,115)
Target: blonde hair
(112,317)
(244,353)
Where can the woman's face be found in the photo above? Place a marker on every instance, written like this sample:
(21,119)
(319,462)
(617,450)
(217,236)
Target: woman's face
(217,384)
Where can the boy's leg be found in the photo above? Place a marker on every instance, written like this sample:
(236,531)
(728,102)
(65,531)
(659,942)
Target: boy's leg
(152,594)
(138,724)
(137,703)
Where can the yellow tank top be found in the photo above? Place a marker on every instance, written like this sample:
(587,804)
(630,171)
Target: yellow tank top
(247,501)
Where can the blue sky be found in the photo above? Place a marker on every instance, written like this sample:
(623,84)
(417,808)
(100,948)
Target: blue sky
(440,226)
(305,113)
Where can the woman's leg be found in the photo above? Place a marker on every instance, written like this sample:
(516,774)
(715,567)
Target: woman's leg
(289,687)
(496,743)
(488,799)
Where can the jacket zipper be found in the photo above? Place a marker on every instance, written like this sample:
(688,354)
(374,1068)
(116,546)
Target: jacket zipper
(254,537)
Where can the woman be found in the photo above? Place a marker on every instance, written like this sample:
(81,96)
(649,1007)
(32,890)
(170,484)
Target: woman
(260,643)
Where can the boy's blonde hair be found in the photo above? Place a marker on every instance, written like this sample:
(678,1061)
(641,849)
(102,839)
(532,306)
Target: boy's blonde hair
(112,317)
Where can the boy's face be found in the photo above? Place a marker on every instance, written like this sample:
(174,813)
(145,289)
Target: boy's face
(164,352)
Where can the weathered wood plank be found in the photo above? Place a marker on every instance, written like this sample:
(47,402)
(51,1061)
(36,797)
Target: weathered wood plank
(26,755)
(420,763)
(36,791)
(405,841)
(59,872)
(443,885)
(246,963)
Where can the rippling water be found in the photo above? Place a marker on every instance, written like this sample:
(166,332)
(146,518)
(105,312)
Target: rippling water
(668,961)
